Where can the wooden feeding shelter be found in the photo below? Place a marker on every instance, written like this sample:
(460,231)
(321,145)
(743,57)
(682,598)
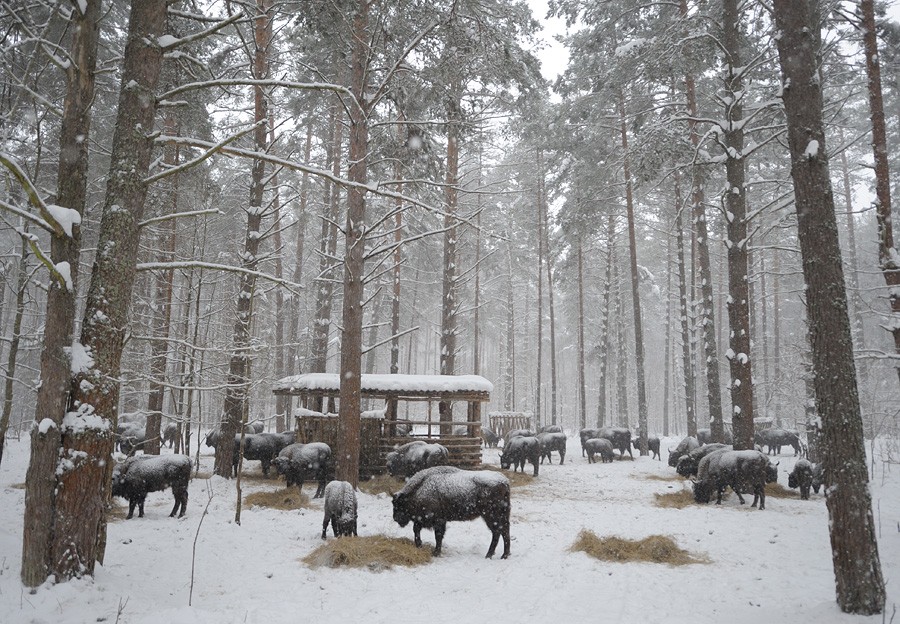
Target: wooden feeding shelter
(504,422)
(379,435)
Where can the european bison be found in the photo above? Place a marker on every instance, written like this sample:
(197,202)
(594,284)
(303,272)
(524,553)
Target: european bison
(519,450)
(742,470)
(652,445)
(340,509)
(552,441)
(704,436)
(686,445)
(489,438)
(801,477)
(438,495)
(585,435)
(775,438)
(601,446)
(414,456)
(688,463)
(620,438)
(298,462)
(136,476)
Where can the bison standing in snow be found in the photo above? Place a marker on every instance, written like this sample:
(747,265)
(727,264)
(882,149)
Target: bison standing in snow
(519,450)
(438,495)
(134,478)
(600,446)
(340,509)
(298,462)
(688,463)
(552,441)
(801,477)
(744,471)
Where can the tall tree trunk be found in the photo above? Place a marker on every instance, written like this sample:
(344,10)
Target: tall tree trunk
(737,241)
(354,261)
(621,354)
(776,326)
(684,314)
(53,395)
(82,491)
(398,260)
(858,579)
(325,290)
(282,402)
(450,287)
(236,403)
(635,283)
(606,329)
(707,319)
(545,226)
(293,358)
(667,357)
(888,257)
(540,297)
(21,289)
(582,414)
(162,312)
(852,272)
(510,398)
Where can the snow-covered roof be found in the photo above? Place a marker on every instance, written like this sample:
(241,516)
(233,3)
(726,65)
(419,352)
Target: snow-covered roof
(422,386)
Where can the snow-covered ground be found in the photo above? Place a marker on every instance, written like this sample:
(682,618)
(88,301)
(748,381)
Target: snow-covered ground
(765,566)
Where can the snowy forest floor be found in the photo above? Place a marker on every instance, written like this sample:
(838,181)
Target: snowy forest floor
(763,566)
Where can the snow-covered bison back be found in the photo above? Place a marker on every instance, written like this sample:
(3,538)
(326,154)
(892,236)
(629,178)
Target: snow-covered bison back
(435,496)
(340,509)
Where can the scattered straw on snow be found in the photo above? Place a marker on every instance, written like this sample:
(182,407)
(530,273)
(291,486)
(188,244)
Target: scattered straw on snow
(678,499)
(652,549)
(776,490)
(516,479)
(663,477)
(375,552)
(381,484)
(284,499)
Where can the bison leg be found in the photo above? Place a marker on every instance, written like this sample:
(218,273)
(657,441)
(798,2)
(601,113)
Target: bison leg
(325,525)
(141,507)
(439,529)
(131,505)
(590,458)
(265,467)
(320,491)
(495,537)
(417,534)
(562,457)
(536,464)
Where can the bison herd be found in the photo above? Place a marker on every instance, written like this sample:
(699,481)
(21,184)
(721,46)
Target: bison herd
(436,493)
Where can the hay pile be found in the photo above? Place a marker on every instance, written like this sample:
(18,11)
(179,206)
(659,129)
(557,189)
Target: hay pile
(516,479)
(375,552)
(664,477)
(776,490)
(678,499)
(652,549)
(381,484)
(285,499)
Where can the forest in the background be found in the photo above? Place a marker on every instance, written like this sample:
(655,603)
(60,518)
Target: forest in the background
(242,191)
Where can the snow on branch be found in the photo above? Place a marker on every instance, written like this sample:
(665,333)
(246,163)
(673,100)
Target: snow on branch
(164,266)
(178,215)
(244,82)
(57,219)
(168,42)
(205,155)
(389,339)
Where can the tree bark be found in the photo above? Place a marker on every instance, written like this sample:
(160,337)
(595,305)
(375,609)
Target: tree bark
(83,488)
(684,313)
(635,284)
(53,395)
(354,261)
(737,241)
(858,580)
(606,329)
(236,403)
(22,280)
(162,312)
(888,257)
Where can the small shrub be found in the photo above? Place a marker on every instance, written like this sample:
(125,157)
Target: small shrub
(652,549)
(376,552)
(285,499)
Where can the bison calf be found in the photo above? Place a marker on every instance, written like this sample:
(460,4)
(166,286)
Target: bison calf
(340,509)
(442,494)
(519,450)
(136,476)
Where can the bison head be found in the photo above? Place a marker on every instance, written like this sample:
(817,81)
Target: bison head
(686,466)
(505,461)
(772,473)
(402,515)
(281,464)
